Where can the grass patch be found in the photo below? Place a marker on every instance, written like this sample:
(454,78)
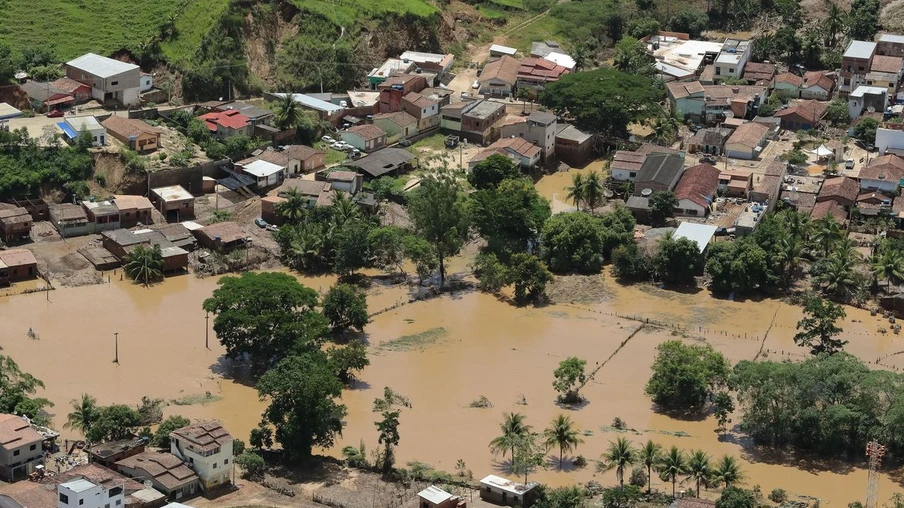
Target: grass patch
(416,341)
(195,21)
(541,29)
(481,403)
(434,142)
(511,4)
(198,398)
(334,156)
(348,13)
(490,13)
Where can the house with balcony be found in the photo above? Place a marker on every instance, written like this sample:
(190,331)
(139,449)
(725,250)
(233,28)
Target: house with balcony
(20,448)
(207,448)
(538,128)
(731,60)
(855,65)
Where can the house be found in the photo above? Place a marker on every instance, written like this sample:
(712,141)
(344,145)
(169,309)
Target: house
(73,127)
(121,242)
(828,208)
(388,68)
(325,110)
(80,91)
(133,210)
(435,497)
(20,446)
(442,95)
(164,470)
(83,493)
(8,112)
(366,138)
(890,44)
(732,58)
(256,115)
(499,77)
(225,124)
(572,146)
(106,454)
(735,183)
(145,82)
(17,265)
(498,51)
(552,51)
(475,121)
(539,128)
(867,99)
(818,85)
(398,125)
(177,234)
(110,80)
(174,202)
(36,207)
(803,115)
(677,58)
(69,219)
(855,64)
(873,203)
(265,174)
(207,447)
(701,234)
(840,189)
(102,215)
(757,73)
(711,140)
(658,173)
(886,71)
(424,109)
(46,97)
(348,182)
(747,141)
(497,490)
(712,103)
(395,87)
(388,161)
(523,153)
(787,85)
(883,173)
(296,159)
(115,490)
(133,133)
(890,141)
(696,190)
(535,73)
(222,236)
(625,165)
(313,193)
(436,63)
(15,224)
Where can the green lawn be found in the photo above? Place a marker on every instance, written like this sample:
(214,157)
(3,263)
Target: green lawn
(511,4)
(349,13)
(543,28)
(334,156)
(191,26)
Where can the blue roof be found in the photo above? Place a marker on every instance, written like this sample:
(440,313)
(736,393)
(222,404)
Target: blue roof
(313,103)
(70,132)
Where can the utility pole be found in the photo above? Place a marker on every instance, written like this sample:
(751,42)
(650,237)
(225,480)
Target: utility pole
(207,330)
(116,359)
(874,451)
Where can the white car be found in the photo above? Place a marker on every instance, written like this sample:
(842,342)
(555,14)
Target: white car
(328,139)
(476,84)
(337,145)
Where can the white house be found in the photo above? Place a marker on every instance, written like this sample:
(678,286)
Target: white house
(207,447)
(72,127)
(890,139)
(865,97)
(625,165)
(883,173)
(109,79)
(747,141)
(732,58)
(266,173)
(145,82)
(82,493)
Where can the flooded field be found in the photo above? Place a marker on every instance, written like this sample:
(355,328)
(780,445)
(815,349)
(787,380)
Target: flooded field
(442,354)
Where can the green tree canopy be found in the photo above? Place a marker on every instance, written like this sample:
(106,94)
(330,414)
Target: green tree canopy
(686,376)
(865,130)
(733,497)
(579,242)
(677,260)
(144,264)
(662,206)
(863,19)
(737,266)
(118,421)
(16,388)
(510,216)
(161,435)
(569,379)
(346,307)
(439,215)
(690,21)
(345,360)
(818,328)
(490,172)
(603,100)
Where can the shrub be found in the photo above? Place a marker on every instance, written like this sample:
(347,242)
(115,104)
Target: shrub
(778,495)
(252,465)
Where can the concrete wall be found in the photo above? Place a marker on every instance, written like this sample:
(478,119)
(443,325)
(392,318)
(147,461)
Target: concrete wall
(889,138)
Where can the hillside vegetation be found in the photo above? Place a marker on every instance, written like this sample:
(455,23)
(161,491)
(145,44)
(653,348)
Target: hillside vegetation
(351,12)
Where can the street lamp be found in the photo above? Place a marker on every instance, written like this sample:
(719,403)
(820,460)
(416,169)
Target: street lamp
(207,330)
(116,359)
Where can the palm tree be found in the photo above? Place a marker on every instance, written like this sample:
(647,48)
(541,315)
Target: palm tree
(838,275)
(144,264)
(651,458)
(663,130)
(83,415)
(833,24)
(728,471)
(576,191)
(698,469)
(795,223)
(827,232)
(888,265)
(287,112)
(561,433)
(789,252)
(581,55)
(674,464)
(293,208)
(620,455)
(593,190)
(344,209)
(513,430)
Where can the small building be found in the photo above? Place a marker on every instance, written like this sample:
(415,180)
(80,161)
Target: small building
(495,489)
(133,210)
(174,202)
(817,85)
(840,189)
(266,174)
(536,73)
(572,146)
(222,237)
(479,121)
(20,446)
(225,124)
(523,153)
(133,133)
(8,112)
(69,219)
(696,190)
(121,242)
(110,80)
(787,85)
(102,215)
(886,71)
(714,103)
(17,265)
(890,44)
(178,234)
(47,97)
(388,161)
(658,173)
(625,165)
(498,51)
(435,497)
(348,182)
(424,109)
(397,125)
(701,234)
(867,99)
(804,115)
(107,454)
(828,208)
(710,140)
(296,159)
(735,183)
(325,110)
(499,77)
(82,493)
(388,68)
(207,447)
(539,128)
(757,73)
(164,470)
(678,58)
(15,224)
(395,87)
(36,207)
(436,63)
(890,141)
(114,489)
(74,126)
(731,60)
(256,115)
(367,138)
(883,173)
(747,141)
(855,64)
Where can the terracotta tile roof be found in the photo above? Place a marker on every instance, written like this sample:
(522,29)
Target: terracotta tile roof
(725,94)
(886,167)
(418,100)
(698,183)
(15,431)
(17,257)
(68,85)
(820,79)
(839,188)
(811,111)
(825,208)
(540,69)
(749,134)
(14,215)
(165,468)
(628,161)
(505,69)
(755,71)
(775,168)
(883,63)
(791,79)
(130,202)
(203,435)
(520,146)
(680,90)
(127,127)
(342,176)
(399,118)
(367,131)
(300,152)
(231,119)
(398,79)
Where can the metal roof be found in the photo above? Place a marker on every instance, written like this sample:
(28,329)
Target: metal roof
(88,122)
(261,168)
(701,234)
(78,485)
(434,495)
(897,39)
(172,193)
(871,90)
(860,49)
(101,66)
(310,102)
(505,50)
(7,111)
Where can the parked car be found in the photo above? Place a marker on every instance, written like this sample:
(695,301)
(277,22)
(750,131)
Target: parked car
(328,139)
(354,154)
(273,228)
(476,84)
(849,164)
(55,114)
(337,145)
(451,141)
(405,142)
(261,223)
(465,95)
(708,159)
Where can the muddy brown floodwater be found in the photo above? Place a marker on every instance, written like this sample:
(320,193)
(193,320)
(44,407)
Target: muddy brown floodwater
(442,354)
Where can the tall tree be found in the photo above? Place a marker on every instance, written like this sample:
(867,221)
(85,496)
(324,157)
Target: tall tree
(833,24)
(620,455)
(302,390)
(650,455)
(686,376)
(529,454)
(593,190)
(826,233)
(863,19)
(287,112)
(788,255)
(439,215)
(818,328)
(889,264)
(569,379)
(113,423)
(84,414)
(293,208)
(562,433)
(662,206)
(577,190)
(673,466)
(513,428)
(490,172)
(510,217)
(346,307)
(677,260)
(388,428)
(728,472)
(837,274)
(698,469)
(144,264)
(16,388)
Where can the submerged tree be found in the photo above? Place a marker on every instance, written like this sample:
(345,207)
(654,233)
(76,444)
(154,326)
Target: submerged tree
(144,264)
(84,414)
(698,469)
(650,455)
(569,379)
(562,433)
(620,455)
(673,466)
(513,428)
(818,328)
(388,428)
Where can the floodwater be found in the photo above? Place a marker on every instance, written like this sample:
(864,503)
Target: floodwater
(454,349)
(553,187)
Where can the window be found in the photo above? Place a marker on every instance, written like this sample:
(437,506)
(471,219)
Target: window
(107,505)
(731,70)
(81,502)
(118,502)
(115,491)
(64,499)
(225,461)
(114,83)
(632,174)
(16,453)
(33,447)
(214,465)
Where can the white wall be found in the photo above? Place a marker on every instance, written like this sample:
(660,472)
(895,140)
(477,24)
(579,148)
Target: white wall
(623,174)
(889,138)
